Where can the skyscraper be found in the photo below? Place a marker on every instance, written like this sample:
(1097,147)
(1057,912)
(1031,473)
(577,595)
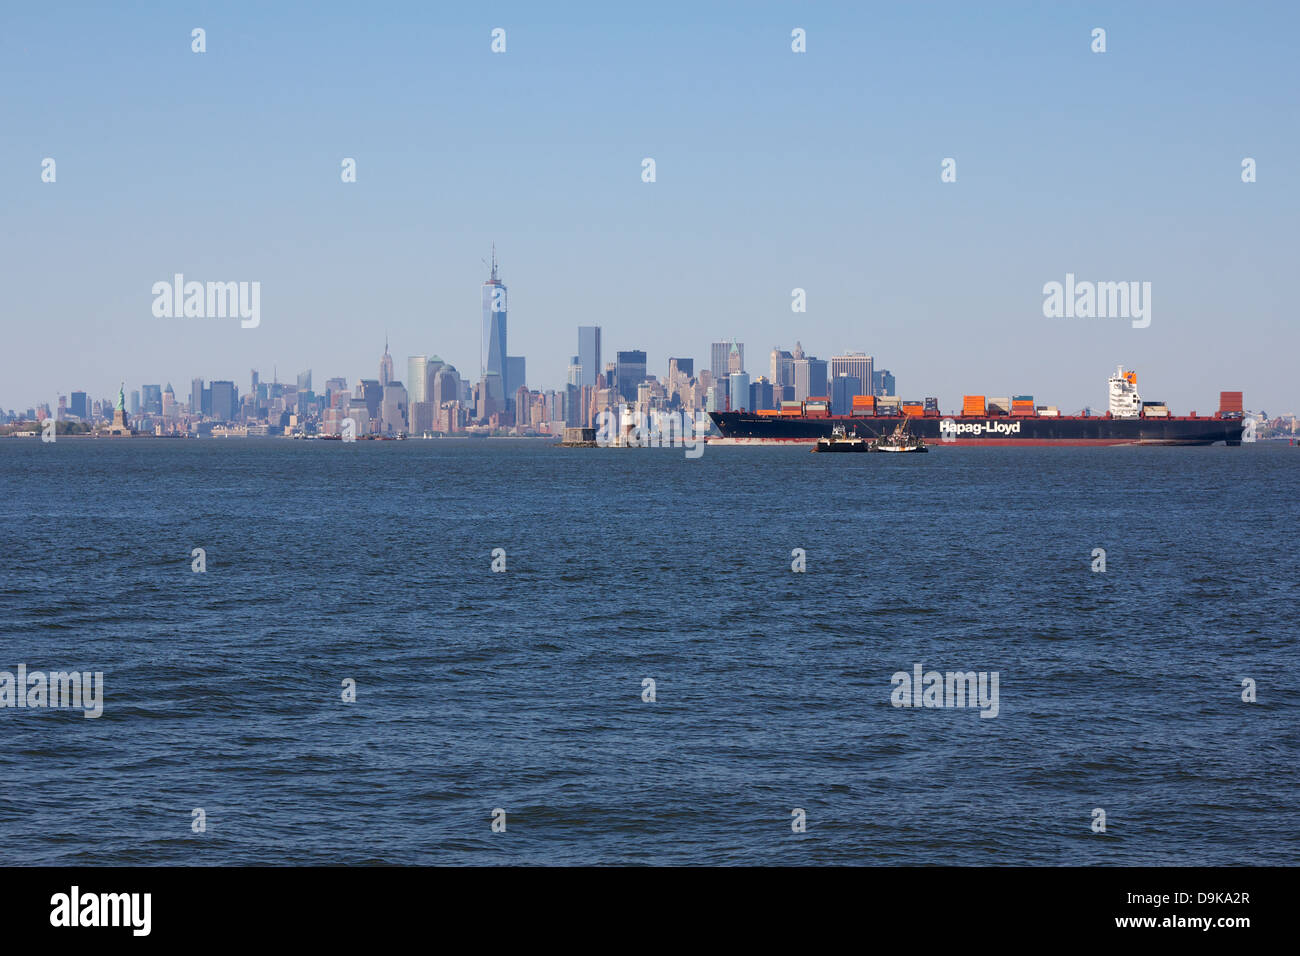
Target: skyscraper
(385,365)
(857,364)
(843,389)
(78,406)
(516,373)
(304,381)
(493,356)
(809,376)
(225,400)
(196,397)
(882,383)
(151,399)
(629,372)
(681,367)
(589,353)
(393,420)
(739,391)
(719,360)
(417,371)
(736,357)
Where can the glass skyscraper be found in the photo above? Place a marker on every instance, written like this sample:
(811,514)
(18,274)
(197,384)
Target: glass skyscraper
(589,353)
(630,372)
(493,356)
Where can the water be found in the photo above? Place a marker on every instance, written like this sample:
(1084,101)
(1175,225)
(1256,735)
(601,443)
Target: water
(522,690)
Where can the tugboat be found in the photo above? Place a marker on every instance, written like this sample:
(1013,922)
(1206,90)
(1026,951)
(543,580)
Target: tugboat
(899,440)
(841,441)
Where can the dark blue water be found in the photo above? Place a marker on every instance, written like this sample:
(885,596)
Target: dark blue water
(522,690)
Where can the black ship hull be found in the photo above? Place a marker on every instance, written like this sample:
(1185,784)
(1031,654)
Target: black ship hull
(748,428)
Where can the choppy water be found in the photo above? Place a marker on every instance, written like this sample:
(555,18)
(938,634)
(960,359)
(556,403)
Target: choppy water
(523,690)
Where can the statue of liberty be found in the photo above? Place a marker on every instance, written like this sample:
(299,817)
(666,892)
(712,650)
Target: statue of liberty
(121,397)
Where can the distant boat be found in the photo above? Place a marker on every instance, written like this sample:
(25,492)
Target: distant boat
(841,441)
(900,440)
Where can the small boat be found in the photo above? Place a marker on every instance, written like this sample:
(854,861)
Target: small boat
(841,441)
(899,440)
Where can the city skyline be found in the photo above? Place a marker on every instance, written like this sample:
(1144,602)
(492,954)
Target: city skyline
(775,171)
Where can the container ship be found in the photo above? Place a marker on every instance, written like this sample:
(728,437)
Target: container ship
(1012,420)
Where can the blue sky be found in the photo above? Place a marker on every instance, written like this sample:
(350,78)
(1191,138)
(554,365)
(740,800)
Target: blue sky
(775,170)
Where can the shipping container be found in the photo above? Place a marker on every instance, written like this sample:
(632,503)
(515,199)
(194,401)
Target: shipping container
(1231,402)
(863,401)
(1048,413)
(972,405)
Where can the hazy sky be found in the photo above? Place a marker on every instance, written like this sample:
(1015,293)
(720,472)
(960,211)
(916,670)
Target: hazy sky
(775,170)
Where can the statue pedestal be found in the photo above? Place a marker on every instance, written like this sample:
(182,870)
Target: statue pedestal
(119,428)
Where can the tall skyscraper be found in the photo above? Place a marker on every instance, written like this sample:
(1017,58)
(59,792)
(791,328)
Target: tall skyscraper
(843,389)
(782,368)
(516,373)
(681,367)
(857,364)
(225,401)
(575,373)
(629,372)
(736,357)
(394,409)
(739,391)
(882,383)
(495,311)
(589,353)
(720,360)
(78,406)
(304,381)
(385,365)
(417,373)
(196,397)
(809,376)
